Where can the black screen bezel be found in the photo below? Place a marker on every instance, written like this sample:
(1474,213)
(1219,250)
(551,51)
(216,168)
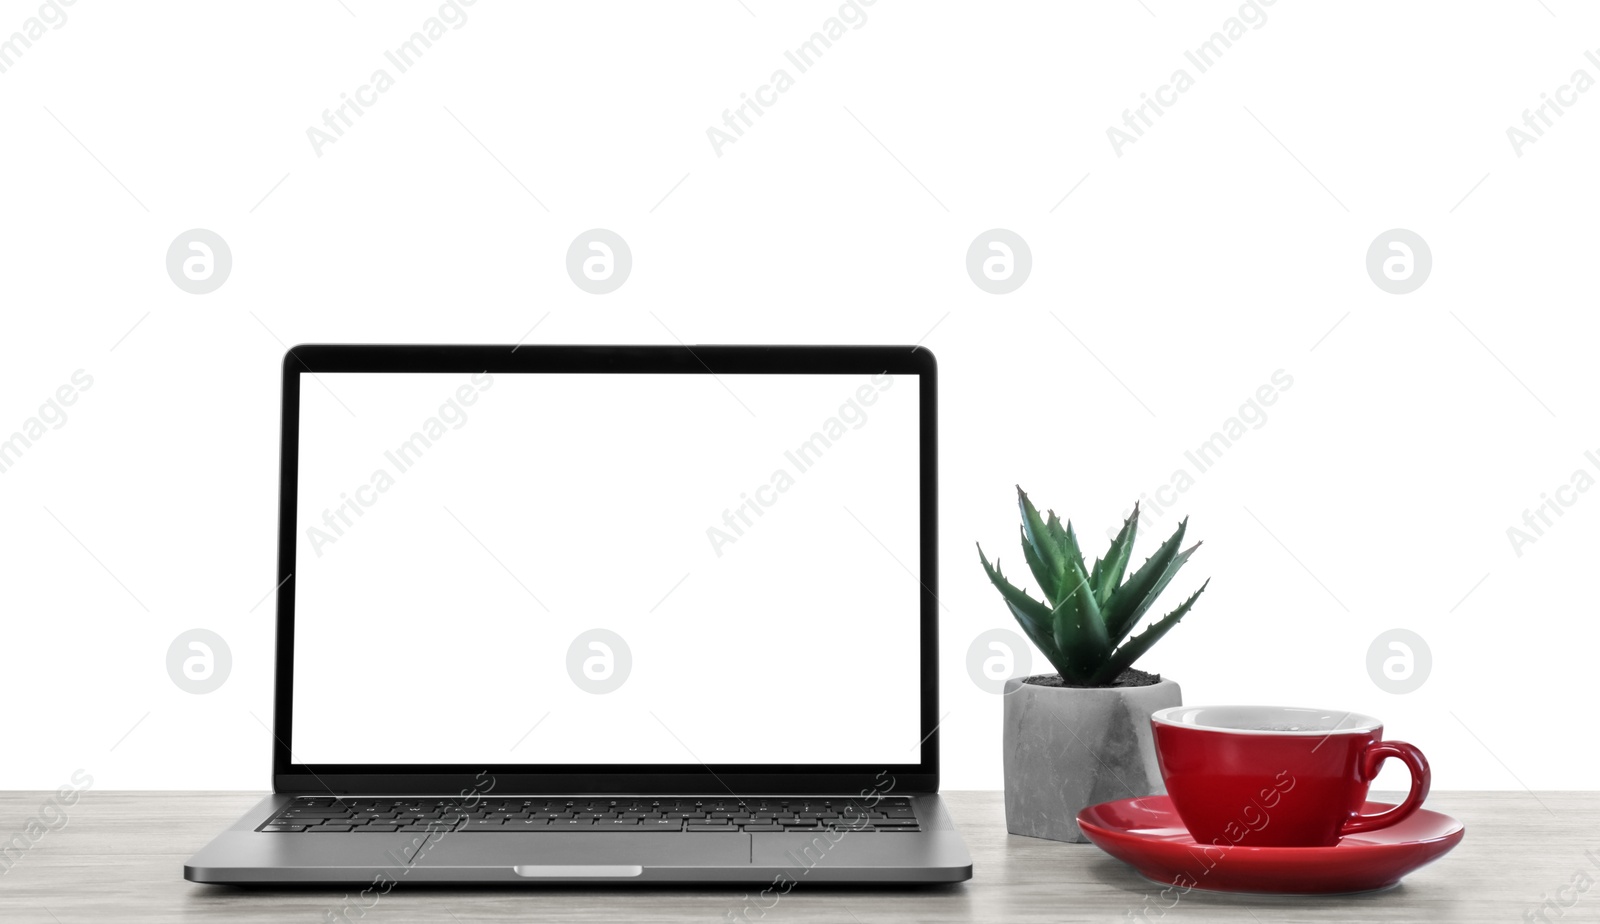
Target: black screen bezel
(291,776)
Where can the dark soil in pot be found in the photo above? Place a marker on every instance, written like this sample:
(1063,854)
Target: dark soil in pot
(1131,677)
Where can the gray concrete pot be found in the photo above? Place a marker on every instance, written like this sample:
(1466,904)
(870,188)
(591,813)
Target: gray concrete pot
(1071,747)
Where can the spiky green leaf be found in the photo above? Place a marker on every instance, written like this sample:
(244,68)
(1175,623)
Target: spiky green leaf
(1049,580)
(1080,628)
(1132,618)
(1056,531)
(1034,617)
(1129,601)
(1067,540)
(1040,612)
(1045,644)
(1135,647)
(1036,621)
(1044,547)
(1107,574)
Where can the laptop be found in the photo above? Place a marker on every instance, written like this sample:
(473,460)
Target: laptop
(584,614)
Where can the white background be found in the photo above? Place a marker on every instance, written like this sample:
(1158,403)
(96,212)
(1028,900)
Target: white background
(1228,243)
(559,504)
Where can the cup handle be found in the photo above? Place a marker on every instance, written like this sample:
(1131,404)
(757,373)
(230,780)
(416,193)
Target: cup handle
(1421,780)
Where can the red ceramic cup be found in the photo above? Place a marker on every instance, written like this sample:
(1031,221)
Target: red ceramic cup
(1278,776)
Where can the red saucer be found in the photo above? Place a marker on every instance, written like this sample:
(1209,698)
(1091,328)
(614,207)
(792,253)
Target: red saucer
(1147,833)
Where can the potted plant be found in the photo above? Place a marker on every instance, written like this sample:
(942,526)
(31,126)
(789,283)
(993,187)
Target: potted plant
(1082,735)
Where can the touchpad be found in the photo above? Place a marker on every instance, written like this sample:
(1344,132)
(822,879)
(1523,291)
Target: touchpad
(611,849)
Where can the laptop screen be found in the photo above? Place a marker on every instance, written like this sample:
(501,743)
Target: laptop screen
(624,569)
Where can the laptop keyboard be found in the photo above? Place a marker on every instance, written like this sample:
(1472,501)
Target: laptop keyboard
(330,815)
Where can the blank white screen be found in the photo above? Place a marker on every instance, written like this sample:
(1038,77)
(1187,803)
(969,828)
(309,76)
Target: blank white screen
(437,592)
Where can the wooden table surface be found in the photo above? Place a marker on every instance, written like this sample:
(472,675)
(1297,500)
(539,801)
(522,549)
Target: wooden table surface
(120,859)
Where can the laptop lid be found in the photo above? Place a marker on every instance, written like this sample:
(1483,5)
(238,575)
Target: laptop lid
(607,569)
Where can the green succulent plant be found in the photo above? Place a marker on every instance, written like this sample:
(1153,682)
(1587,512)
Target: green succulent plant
(1089,611)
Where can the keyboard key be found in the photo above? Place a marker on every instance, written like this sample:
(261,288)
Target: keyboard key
(660,824)
(379,829)
(329,829)
(284,829)
(722,827)
(762,827)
